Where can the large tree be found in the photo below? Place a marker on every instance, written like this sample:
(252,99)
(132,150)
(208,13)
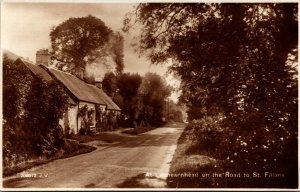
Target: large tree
(128,89)
(213,46)
(238,60)
(155,91)
(109,84)
(77,42)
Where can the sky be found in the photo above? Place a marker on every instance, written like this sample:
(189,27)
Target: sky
(25,28)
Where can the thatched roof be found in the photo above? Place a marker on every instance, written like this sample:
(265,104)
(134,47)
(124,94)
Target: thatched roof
(83,91)
(78,89)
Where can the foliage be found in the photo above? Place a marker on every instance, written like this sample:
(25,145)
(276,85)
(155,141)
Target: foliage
(155,91)
(80,42)
(69,149)
(82,111)
(187,158)
(31,111)
(86,119)
(77,42)
(109,84)
(16,82)
(208,137)
(140,98)
(128,86)
(174,111)
(46,103)
(225,68)
(207,134)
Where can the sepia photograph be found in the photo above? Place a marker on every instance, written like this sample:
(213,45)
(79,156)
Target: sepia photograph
(150,95)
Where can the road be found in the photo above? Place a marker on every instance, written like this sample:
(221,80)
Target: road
(106,167)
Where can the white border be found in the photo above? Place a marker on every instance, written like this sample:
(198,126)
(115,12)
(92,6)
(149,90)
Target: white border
(138,189)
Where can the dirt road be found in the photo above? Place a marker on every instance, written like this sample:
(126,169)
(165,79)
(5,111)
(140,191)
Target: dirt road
(106,167)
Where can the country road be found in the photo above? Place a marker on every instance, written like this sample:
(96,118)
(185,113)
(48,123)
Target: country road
(106,167)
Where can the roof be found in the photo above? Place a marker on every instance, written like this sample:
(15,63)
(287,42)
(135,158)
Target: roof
(83,91)
(108,101)
(10,54)
(39,71)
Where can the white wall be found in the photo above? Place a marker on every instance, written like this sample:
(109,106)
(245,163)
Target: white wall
(72,115)
(61,123)
(90,106)
(72,119)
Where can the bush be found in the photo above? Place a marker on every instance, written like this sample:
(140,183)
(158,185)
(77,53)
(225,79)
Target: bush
(31,112)
(70,146)
(45,104)
(236,151)
(206,135)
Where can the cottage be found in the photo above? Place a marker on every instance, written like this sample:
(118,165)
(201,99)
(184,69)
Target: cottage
(89,100)
(88,103)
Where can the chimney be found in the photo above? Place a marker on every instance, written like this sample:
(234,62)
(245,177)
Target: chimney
(80,74)
(98,84)
(42,57)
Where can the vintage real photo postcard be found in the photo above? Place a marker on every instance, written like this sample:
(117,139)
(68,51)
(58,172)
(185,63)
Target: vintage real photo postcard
(144,95)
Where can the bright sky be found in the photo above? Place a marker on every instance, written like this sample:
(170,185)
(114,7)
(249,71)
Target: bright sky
(25,28)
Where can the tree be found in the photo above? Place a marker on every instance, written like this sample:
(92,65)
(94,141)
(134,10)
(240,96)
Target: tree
(209,42)
(117,49)
(32,109)
(217,51)
(16,83)
(128,85)
(155,91)
(109,84)
(10,91)
(46,103)
(77,42)
(175,111)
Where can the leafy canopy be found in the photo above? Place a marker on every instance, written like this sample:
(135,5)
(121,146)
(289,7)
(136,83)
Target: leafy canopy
(32,109)
(78,42)
(230,57)
(155,90)
(237,60)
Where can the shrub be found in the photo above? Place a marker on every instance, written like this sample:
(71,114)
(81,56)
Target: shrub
(206,135)
(70,146)
(31,112)
(45,105)
(254,146)
(16,84)
(86,120)
(236,150)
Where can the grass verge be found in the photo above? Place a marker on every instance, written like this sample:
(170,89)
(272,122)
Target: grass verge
(138,130)
(186,168)
(108,137)
(210,156)
(141,181)
(70,149)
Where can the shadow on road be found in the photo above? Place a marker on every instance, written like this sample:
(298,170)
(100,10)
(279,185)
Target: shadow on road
(16,183)
(141,181)
(121,161)
(153,138)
